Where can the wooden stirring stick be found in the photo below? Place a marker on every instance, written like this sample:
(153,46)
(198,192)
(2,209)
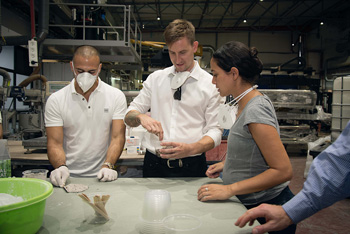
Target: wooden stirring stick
(100,211)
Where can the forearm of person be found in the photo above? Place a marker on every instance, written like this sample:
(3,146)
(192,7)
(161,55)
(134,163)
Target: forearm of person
(203,145)
(56,155)
(55,152)
(116,145)
(115,150)
(263,181)
(132,118)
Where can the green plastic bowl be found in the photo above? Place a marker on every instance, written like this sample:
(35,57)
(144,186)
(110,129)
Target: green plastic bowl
(26,216)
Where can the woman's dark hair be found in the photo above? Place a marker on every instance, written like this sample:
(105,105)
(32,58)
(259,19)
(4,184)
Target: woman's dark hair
(238,55)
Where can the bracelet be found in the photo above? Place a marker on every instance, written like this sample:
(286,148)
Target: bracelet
(63,165)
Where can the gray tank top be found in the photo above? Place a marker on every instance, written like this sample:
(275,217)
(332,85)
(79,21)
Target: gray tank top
(244,159)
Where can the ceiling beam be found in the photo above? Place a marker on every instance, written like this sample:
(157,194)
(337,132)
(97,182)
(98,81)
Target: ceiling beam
(183,9)
(223,16)
(267,10)
(289,10)
(137,13)
(203,12)
(325,11)
(246,12)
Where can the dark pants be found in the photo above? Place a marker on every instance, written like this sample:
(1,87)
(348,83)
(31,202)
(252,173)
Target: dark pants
(154,166)
(282,198)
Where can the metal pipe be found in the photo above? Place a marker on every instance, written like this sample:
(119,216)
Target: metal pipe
(43,28)
(32,18)
(43,24)
(7,78)
(343,57)
(32,78)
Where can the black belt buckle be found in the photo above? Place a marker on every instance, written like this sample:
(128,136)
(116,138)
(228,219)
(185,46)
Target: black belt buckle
(172,163)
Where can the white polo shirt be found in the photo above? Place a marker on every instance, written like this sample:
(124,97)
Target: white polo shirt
(188,120)
(86,124)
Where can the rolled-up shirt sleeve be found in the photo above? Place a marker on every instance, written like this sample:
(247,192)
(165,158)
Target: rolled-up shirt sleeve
(212,128)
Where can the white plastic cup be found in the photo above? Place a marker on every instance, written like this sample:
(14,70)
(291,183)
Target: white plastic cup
(35,173)
(156,205)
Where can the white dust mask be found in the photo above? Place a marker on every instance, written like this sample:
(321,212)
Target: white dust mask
(178,79)
(228,112)
(86,81)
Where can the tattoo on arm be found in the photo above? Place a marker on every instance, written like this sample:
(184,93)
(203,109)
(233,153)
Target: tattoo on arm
(132,119)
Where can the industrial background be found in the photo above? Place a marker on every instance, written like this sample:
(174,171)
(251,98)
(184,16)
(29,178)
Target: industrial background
(304,45)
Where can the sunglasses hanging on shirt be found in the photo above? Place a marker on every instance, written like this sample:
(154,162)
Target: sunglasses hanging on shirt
(177,94)
(177,81)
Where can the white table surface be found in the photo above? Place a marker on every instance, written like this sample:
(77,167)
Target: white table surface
(66,212)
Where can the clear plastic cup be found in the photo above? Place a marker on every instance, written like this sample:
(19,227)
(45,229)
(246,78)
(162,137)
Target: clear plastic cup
(35,173)
(181,223)
(156,143)
(156,205)
(158,147)
(148,227)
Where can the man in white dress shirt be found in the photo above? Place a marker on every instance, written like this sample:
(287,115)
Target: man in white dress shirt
(183,104)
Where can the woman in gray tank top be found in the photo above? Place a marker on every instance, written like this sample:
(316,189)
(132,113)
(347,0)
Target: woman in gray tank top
(257,168)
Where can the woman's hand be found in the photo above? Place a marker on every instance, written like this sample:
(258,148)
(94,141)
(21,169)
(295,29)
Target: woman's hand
(215,169)
(214,192)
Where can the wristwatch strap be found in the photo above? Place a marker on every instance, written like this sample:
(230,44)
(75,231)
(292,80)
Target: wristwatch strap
(109,165)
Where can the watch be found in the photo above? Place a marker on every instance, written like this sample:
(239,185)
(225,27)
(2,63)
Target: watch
(109,165)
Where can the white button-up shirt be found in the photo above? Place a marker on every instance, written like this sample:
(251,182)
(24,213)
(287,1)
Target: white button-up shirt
(188,120)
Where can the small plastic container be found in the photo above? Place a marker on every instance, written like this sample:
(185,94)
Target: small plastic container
(35,173)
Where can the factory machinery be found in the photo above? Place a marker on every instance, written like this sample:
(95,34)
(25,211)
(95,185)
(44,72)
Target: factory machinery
(23,124)
(298,115)
(114,31)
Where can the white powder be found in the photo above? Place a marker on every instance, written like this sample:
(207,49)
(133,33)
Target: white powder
(7,199)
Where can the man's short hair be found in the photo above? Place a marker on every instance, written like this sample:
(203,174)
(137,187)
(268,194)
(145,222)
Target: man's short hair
(179,29)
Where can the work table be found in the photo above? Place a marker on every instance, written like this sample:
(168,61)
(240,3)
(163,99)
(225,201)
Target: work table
(65,211)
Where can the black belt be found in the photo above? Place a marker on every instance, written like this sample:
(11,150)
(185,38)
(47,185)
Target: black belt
(174,163)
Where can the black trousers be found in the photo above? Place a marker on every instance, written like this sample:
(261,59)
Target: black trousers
(154,166)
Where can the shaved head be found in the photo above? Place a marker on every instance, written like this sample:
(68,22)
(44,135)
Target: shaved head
(86,51)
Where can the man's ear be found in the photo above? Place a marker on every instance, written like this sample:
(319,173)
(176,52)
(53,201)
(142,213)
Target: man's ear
(99,68)
(72,66)
(195,46)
